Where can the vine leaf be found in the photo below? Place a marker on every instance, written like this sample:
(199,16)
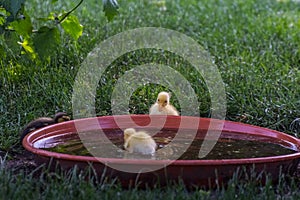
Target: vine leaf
(72,26)
(110,8)
(23,26)
(28,47)
(16,5)
(46,41)
(3,16)
(2,20)
(13,6)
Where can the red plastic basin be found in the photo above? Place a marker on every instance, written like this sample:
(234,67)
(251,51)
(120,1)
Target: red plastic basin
(205,173)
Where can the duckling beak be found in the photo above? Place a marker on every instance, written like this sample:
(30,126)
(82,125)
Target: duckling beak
(66,118)
(63,118)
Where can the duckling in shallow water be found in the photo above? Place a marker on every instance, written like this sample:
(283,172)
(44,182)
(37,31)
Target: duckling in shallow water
(42,122)
(138,142)
(162,105)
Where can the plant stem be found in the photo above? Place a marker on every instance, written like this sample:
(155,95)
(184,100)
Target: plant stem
(68,13)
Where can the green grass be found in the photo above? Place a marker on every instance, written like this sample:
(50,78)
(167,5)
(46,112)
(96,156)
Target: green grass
(255,45)
(74,185)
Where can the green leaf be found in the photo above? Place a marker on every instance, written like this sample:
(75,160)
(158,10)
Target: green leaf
(46,41)
(16,5)
(13,6)
(28,47)
(72,27)
(110,8)
(2,20)
(23,26)
(3,15)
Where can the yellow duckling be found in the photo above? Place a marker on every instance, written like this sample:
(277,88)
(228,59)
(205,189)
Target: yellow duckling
(42,122)
(162,105)
(138,142)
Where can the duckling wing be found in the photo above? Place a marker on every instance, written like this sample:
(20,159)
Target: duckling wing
(171,110)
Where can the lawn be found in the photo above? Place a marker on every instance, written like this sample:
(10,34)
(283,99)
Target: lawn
(254,44)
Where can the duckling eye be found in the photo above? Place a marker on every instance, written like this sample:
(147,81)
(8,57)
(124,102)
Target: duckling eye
(158,100)
(165,101)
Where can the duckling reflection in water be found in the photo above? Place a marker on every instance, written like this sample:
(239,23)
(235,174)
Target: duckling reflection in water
(162,105)
(138,142)
(42,122)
